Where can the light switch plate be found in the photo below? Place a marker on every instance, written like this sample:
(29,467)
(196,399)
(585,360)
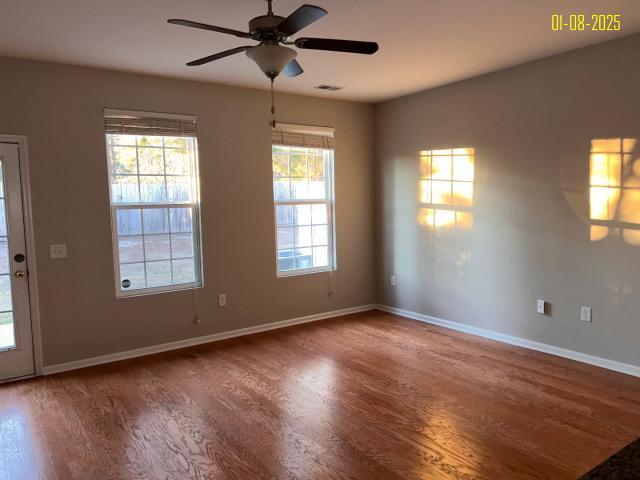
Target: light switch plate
(585,314)
(541,307)
(58,251)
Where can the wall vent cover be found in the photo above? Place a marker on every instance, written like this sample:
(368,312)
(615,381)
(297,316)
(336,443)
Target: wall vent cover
(332,88)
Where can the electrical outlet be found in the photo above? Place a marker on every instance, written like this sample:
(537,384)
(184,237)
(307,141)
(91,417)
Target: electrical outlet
(58,251)
(393,280)
(222,300)
(585,314)
(542,307)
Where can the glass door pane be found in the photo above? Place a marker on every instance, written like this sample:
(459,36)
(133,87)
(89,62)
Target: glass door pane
(7,330)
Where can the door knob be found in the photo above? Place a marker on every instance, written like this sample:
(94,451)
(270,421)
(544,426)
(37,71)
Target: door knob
(19,273)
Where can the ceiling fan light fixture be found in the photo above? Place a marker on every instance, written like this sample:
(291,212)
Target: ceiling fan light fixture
(271,59)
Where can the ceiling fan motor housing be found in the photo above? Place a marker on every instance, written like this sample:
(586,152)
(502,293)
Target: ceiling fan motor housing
(265,27)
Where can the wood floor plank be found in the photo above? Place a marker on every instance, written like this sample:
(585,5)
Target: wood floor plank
(365,396)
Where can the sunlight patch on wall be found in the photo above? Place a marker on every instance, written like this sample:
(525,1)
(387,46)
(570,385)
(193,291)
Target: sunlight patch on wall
(446,188)
(614,189)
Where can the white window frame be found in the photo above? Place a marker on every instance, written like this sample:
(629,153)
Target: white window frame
(195,218)
(330,205)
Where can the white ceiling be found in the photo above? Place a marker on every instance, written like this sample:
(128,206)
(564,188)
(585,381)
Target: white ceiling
(423,43)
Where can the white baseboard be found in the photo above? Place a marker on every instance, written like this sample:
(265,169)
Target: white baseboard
(189,342)
(518,341)
(500,337)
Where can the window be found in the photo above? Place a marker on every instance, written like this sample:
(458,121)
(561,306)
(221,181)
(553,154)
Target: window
(446,188)
(303,197)
(153,177)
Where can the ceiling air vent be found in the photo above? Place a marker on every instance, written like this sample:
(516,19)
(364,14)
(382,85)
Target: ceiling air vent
(331,88)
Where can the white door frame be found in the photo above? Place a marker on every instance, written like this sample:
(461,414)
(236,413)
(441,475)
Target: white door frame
(34,304)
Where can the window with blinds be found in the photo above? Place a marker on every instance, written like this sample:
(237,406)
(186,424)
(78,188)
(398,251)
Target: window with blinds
(303,192)
(153,178)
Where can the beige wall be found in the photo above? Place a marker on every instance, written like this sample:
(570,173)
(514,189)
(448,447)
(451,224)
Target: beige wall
(531,128)
(60,109)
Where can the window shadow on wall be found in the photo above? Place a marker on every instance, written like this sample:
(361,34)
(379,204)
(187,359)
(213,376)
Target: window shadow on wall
(446,189)
(614,189)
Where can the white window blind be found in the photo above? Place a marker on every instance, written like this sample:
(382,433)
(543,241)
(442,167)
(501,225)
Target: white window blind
(303,136)
(303,190)
(128,122)
(153,178)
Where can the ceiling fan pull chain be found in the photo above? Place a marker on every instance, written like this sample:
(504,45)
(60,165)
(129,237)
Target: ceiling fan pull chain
(273,107)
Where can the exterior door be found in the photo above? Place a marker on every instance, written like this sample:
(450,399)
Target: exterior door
(16,342)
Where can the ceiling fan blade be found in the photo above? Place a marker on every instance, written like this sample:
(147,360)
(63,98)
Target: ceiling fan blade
(217,56)
(204,26)
(349,46)
(301,18)
(293,69)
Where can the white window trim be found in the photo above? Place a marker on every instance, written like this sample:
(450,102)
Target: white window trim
(196,218)
(331,207)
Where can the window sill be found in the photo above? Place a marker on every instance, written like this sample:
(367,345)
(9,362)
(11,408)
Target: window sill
(158,290)
(306,271)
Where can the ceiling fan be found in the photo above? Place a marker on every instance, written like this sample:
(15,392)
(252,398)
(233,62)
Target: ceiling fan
(272,31)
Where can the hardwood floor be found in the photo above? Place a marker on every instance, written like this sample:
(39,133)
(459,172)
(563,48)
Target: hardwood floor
(367,396)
